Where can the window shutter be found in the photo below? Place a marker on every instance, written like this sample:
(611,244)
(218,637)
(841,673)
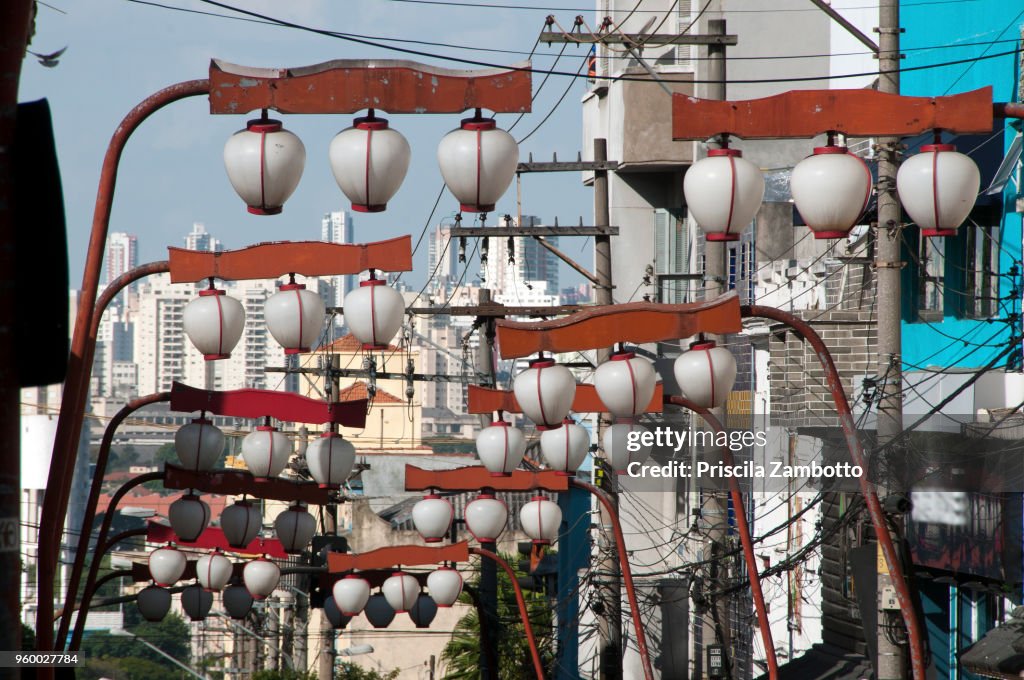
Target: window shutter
(684,15)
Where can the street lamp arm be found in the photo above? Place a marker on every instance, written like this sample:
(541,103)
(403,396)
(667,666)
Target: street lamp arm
(94,567)
(83,346)
(805,332)
(97,486)
(538,667)
(627,572)
(743,527)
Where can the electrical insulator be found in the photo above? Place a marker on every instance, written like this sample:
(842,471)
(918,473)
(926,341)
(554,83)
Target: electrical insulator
(462,249)
(511,248)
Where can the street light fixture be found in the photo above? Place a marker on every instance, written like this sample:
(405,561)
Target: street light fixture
(264,163)
(266,451)
(625,384)
(196,601)
(540,520)
(500,447)
(374,312)
(153,602)
(624,444)
(237,600)
(214,322)
(356,650)
(369,161)
(294,316)
(486,516)
(545,392)
(261,577)
(478,161)
(166,565)
(433,517)
(241,522)
(295,528)
(351,594)
(723,193)
(705,373)
(565,449)
(401,590)
(214,570)
(938,187)
(445,586)
(831,189)
(199,444)
(189,516)
(330,459)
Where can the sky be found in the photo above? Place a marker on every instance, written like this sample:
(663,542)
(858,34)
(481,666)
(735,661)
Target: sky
(172,174)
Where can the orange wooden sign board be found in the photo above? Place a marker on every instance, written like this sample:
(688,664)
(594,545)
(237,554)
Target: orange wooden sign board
(477,477)
(352,85)
(309,258)
(238,482)
(488,400)
(399,555)
(636,322)
(806,113)
(254,403)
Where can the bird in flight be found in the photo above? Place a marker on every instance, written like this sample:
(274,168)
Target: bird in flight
(49,60)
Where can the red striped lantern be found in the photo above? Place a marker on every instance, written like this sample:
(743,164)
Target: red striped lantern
(723,193)
(625,384)
(198,445)
(241,523)
(294,317)
(565,449)
(545,392)
(264,163)
(831,189)
(214,322)
(500,448)
(937,188)
(540,519)
(265,452)
(706,374)
(369,161)
(478,162)
(374,313)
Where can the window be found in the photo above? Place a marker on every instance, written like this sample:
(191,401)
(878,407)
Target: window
(981,279)
(671,255)
(684,16)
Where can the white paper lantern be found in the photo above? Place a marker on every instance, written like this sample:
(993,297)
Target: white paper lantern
(295,528)
(241,523)
(623,444)
(196,602)
(198,445)
(723,193)
(565,449)
(478,162)
(166,565)
(831,189)
(213,323)
(189,516)
(486,517)
(378,612)
(540,520)
(545,392)
(369,161)
(266,452)
(351,594)
(264,164)
(214,570)
(237,601)
(625,384)
(330,459)
(501,448)
(445,585)
(938,188)
(423,611)
(374,313)
(153,602)
(334,615)
(261,577)
(706,374)
(294,316)
(433,517)
(401,591)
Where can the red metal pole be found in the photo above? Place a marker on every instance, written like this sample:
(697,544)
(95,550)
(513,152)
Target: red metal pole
(740,512)
(805,332)
(90,507)
(627,572)
(538,667)
(83,345)
(92,588)
(102,545)
(1008,109)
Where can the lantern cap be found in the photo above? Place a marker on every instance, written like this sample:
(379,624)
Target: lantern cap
(539,498)
(372,282)
(703,344)
(202,421)
(431,496)
(266,428)
(486,494)
(264,125)
(399,573)
(329,434)
(500,423)
(212,291)
(445,567)
(938,233)
(352,576)
(543,362)
(622,356)
(370,122)
(478,124)
(831,148)
(293,286)
(937,147)
(735,153)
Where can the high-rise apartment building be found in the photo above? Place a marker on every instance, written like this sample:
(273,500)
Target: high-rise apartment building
(338,227)
(122,254)
(520,271)
(200,239)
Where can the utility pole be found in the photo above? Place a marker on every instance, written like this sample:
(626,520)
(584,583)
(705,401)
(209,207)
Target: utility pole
(327,633)
(488,569)
(609,627)
(714,506)
(891,662)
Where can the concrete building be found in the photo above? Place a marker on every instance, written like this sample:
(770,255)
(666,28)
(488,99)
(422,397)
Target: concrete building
(122,254)
(338,227)
(200,239)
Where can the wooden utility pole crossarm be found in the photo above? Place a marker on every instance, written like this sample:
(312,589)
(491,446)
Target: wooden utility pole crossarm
(637,39)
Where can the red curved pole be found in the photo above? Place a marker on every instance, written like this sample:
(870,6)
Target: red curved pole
(538,667)
(892,560)
(627,572)
(743,527)
(102,546)
(83,346)
(90,506)
(93,587)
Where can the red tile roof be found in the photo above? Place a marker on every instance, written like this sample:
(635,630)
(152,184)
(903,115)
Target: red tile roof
(357,390)
(348,344)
